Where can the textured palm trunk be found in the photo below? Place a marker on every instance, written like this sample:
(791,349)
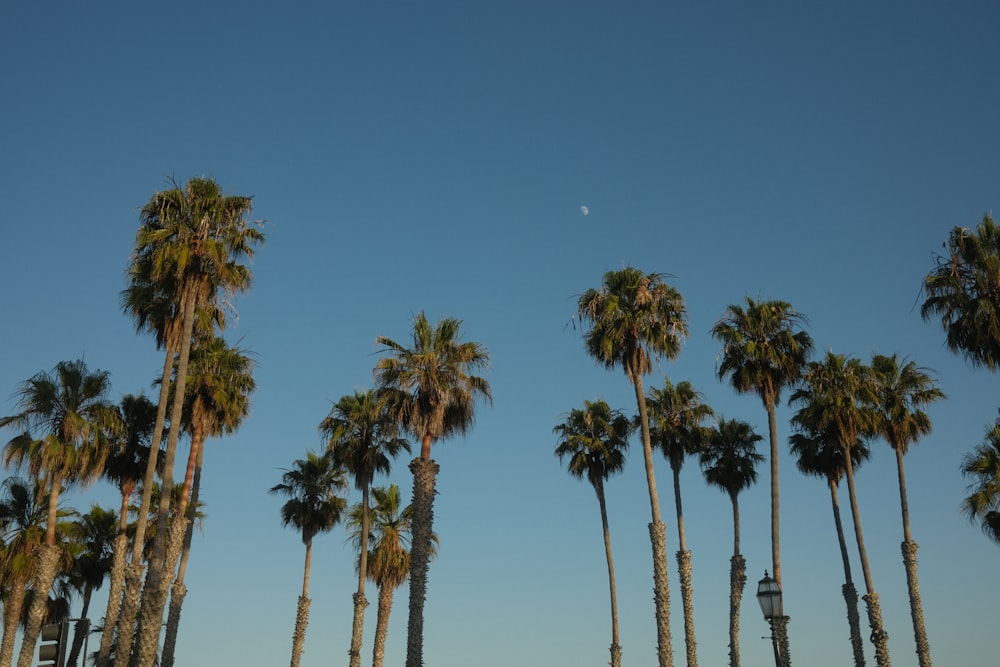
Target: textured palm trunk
(879,637)
(360,602)
(657,537)
(424,475)
(299,636)
(80,630)
(11,615)
(48,558)
(909,548)
(118,562)
(616,649)
(850,593)
(772,428)
(154,593)
(179,591)
(382,624)
(129,611)
(684,572)
(737,581)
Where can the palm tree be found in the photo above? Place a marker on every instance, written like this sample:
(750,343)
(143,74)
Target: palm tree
(388,556)
(188,249)
(313,507)
(595,441)
(963,289)
(635,318)
(68,404)
(904,389)
(432,393)
(94,535)
(729,462)
(819,454)
(677,416)
(23,510)
(362,437)
(837,400)
(125,468)
(217,400)
(763,352)
(983,466)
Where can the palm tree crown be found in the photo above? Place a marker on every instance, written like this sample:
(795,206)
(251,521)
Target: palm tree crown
(311,486)
(363,435)
(729,462)
(595,440)
(983,466)
(963,290)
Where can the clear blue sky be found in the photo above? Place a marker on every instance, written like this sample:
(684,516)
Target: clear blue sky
(434,156)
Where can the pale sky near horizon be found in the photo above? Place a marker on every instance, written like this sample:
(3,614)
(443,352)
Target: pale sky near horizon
(436,156)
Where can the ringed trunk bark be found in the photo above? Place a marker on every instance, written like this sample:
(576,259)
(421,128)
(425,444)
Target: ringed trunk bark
(424,476)
(48,558)
(382,624)
(299,635)
(177,593)
(737,581)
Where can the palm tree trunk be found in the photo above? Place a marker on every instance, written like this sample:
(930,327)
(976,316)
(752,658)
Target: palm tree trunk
(879,636)
(382,624)
(737,582)
(684,571)
(616,649)
(124,631)
(909,548)
(360,602)
(424,475)
(11,615)
(80,630)
(657,537)
(48,558)
(154,591)
(179,591)
(850,593)
(299,636)
(772,428)
(117,585)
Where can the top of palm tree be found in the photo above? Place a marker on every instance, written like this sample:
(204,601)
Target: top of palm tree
(595,440)
(362,435)
(837,397)
(903,389)
(819,453)
(311,487)
(677,417)
(429,386)
(68,409)
(983,466)
(762,352)
(730,460)
(126,464)
(963,289)
(634,317)
(218,386)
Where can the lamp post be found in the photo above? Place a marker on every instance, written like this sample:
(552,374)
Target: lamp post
(769,598)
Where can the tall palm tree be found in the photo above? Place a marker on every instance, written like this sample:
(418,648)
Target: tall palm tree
(633,319)
(729,462)
(677,417)
(963,289)
(217,400)
(837,399)
(68,408)
(983,466)
(388,555)
(433,394)
(764,350)
(362,437)
(188,250)
(94,535)
(903,390)
(595,441)
(125,468)
(23,510)
(819,454)
(313,507)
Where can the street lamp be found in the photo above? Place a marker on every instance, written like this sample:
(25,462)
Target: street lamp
(769,598)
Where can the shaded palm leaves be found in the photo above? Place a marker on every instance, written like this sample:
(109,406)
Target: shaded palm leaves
(982,465)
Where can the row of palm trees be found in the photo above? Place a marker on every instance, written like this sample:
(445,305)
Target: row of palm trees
(636,317)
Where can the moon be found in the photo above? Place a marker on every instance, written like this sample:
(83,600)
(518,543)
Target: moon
(585,210)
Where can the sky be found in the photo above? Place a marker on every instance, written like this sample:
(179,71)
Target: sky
(435,157)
